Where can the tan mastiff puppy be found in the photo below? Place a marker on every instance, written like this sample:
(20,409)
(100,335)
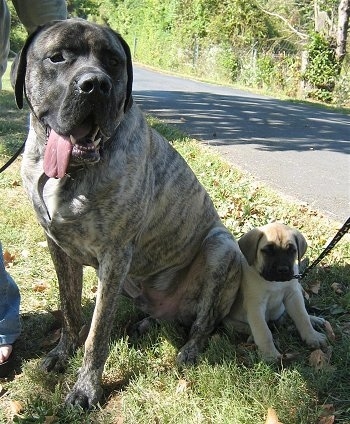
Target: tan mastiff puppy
(269,288)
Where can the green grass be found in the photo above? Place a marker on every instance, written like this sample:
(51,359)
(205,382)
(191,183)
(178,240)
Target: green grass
(141,382)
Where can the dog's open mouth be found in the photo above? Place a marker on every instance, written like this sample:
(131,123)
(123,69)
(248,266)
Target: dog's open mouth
(82,145)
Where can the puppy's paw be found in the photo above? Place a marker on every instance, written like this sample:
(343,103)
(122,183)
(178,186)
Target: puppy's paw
(316,340)
(317,322)
(273,356)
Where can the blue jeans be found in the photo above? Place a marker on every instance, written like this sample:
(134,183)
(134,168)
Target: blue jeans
(10,325)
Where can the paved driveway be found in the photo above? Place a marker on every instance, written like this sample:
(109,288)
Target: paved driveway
(300,150)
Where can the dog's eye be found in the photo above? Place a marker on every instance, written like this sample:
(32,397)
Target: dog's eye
(112,61)
(57,57)
(269,249)
(291,249)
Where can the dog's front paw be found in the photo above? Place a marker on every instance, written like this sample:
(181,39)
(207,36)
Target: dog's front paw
(188,354)
(84,394)
(317,322)
(269,353)
(316,340)
(273,356)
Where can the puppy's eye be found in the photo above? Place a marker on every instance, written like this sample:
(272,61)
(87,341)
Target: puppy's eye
(269,249)
(57,58)
(291,249)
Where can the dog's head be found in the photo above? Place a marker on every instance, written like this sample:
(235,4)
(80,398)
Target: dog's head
(77,79)
(274,250)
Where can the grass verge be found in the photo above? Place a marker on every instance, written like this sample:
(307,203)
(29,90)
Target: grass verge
(141,382)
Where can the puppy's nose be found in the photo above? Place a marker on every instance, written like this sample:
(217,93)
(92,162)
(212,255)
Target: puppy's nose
(91,83)
(283,269)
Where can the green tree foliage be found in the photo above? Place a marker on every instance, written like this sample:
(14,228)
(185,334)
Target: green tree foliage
(323,68)
(18,33)
(83,9)
(253,42)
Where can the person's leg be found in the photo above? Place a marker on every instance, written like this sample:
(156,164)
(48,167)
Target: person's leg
(10,326)
(4,37)
(38,12)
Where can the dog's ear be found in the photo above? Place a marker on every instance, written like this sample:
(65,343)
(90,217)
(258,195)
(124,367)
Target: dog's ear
(19,68)
(129,99)
(248,244)
(301,243)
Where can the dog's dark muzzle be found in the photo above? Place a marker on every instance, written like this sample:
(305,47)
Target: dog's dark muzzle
(278,272)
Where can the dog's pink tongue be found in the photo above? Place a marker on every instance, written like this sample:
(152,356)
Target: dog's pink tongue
(57,154)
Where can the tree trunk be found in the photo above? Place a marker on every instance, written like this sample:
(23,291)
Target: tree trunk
(342,30)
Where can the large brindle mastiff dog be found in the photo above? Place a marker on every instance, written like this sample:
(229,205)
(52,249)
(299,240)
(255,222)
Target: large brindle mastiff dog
(113,194)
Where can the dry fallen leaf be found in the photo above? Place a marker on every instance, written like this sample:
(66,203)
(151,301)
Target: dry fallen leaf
(327,415)
(182,386)
(314,287)
(329,331)
(346,328)
(326,420)
(49,419)
(16,407)
(319,359)
(337,288)
(42,243)
(272,417)
(327,409)
(40,286)
(8,258)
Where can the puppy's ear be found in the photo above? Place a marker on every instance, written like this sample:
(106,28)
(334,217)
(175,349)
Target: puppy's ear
(129,99)
(248,244)
(19,68)
(301,243)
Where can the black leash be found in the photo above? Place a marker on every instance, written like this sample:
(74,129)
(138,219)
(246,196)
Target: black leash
(344,229)
(14,157)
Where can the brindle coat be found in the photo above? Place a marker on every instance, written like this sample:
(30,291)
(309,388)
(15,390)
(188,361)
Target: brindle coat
(115,196)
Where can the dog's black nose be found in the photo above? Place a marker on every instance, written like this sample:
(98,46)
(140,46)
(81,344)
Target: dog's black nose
(94,83)
(283,270)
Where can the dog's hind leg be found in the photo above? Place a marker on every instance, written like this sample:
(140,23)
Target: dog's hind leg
(70,279)
(218,269)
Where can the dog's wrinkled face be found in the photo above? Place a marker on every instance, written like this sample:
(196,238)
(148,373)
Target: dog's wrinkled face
(87,77)
(275,261)
(274,251)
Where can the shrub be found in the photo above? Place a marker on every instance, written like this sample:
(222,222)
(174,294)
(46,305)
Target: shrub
(322,69)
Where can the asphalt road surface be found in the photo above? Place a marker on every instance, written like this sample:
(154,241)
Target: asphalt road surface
(299,150)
